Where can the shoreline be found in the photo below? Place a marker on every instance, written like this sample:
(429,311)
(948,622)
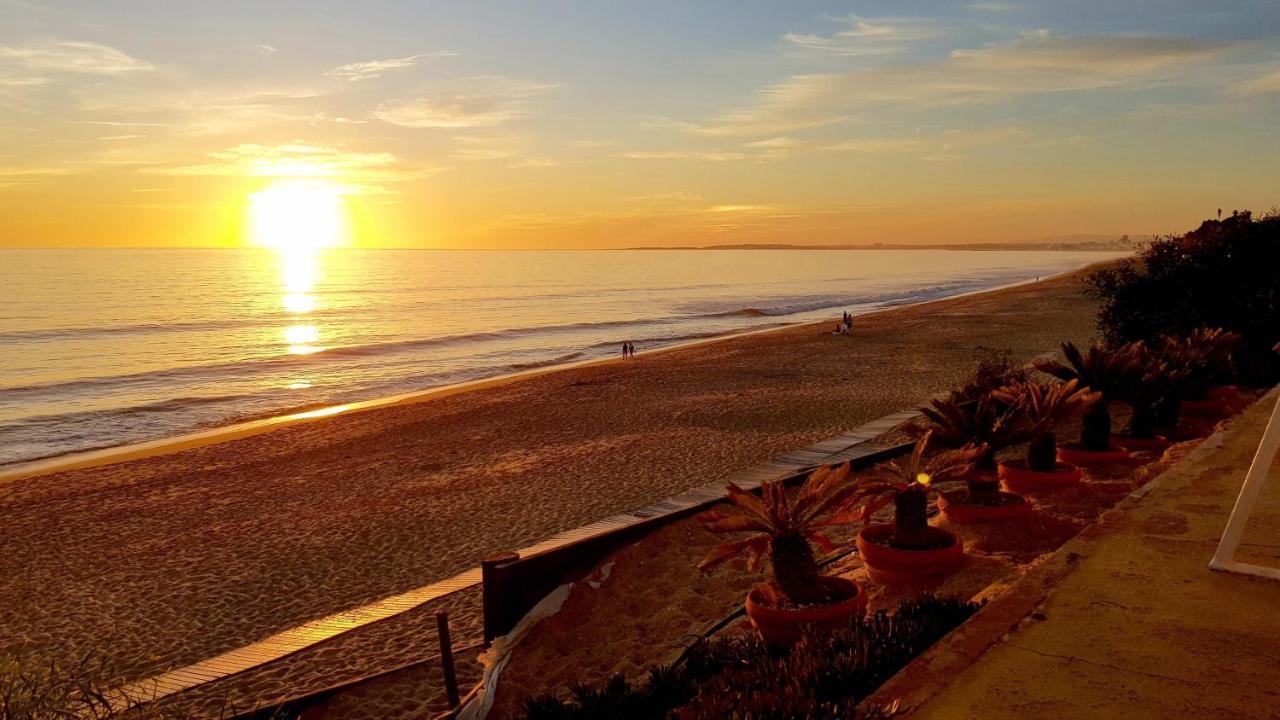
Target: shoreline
(111,454)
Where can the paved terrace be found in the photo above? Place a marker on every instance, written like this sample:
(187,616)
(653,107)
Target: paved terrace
(1128,621)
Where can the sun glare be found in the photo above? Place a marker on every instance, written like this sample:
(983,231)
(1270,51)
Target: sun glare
(298,215)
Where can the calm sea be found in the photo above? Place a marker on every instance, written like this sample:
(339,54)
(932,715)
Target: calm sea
(105,347)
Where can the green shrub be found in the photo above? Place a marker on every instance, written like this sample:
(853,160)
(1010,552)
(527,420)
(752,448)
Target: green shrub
(1220,275)
(822,676)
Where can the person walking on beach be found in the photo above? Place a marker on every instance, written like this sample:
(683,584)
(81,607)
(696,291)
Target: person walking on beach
(626,348)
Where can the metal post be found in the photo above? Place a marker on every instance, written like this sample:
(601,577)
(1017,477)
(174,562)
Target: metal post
(446,659)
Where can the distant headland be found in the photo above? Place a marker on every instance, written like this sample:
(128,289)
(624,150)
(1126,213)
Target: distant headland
(1090,243)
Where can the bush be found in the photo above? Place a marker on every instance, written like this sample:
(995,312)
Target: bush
(823,676)
(995,370)
(1220,275)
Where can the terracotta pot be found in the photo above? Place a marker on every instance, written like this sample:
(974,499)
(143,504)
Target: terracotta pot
(1017,477)
(958,511)
(783,626)
(893,565)
(1222,392)
(1076,455)
(1208,406)
(1134,444)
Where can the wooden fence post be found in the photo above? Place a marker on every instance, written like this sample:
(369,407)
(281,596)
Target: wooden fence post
(493,591)
(446,659)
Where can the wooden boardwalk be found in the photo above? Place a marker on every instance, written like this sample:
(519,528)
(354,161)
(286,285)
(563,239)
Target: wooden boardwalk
(852,445)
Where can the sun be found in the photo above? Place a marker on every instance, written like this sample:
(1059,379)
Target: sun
(298,215)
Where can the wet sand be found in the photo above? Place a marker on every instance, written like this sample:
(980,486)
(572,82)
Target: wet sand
(161,561)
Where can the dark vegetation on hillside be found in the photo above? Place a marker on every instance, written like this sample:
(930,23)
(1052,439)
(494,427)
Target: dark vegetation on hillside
(1224,274)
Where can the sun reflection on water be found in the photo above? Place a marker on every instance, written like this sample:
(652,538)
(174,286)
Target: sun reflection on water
(300,220)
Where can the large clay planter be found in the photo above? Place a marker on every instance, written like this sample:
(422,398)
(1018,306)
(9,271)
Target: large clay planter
(957,511)
(1018,478)
(893,566)
(1207,406)
(1076,455)
(1134,444)
(783,626)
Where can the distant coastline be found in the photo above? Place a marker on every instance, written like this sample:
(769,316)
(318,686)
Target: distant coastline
(1121,244)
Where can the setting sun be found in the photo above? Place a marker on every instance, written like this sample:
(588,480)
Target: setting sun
(298,215)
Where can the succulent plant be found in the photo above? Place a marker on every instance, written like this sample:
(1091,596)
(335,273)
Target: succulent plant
(1206,357)
(908,487)
(1102,369)
(782,529)
(986,423)
(1153,395)
(1043,407)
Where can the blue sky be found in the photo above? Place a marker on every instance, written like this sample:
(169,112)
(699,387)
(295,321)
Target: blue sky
(568,124)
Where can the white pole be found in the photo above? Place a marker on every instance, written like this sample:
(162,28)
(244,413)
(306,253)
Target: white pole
(1258,470)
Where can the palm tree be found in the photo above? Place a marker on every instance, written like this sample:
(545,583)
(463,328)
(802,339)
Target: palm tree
(1153,394)
(985,422)
(782,530)
(1105,371)
(1043,407)
(1205,355)
(907,487)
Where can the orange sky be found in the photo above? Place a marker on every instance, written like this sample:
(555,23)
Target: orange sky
(489,124)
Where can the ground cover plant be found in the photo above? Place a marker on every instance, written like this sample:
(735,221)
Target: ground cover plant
(822,677)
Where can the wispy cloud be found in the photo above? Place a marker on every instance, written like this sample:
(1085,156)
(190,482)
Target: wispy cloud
(370,69)
(66,56)
(116,123)
(996,7)
(1262,84)
(299,160)
(210,109)
(475,102)
(933,146)
(1034,63)
(707,155)
(880,36)
(18,83)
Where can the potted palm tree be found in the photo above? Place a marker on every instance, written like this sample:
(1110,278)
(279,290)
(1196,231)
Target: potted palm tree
(908,549)
(797,595)
(1151,395)
(1105,371)
(990,424)
(1042,407)
(1206,356)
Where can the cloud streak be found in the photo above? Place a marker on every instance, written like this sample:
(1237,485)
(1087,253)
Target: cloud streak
(1038,62)
(475,102)
(882,36)
(73,57)
(370,69)
(299,160)
(1263,84)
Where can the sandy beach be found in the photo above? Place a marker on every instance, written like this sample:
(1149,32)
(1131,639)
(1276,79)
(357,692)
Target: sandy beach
(161,561)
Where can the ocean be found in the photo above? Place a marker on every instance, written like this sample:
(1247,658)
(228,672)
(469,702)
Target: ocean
(102,347)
